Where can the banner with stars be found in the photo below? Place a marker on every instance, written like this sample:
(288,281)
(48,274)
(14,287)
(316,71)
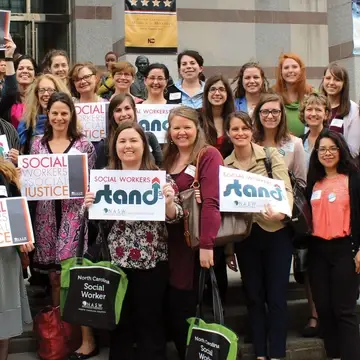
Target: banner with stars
(151,26)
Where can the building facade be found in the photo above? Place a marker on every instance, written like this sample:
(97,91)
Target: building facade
(227,33)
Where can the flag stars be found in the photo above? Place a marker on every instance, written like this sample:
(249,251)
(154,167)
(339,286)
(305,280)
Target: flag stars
(156,3)
(133,2)
(145,2)
(167,3)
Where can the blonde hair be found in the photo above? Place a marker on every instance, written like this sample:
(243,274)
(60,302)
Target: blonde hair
(123,66)
(315,98)
(32,104)
(9,170)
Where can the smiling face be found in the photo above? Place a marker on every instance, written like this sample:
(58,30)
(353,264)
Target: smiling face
(183,132)
(129,147)
(315,114)
(217,95)
(59,67)
(45,89)
(239,133)
(123,80)
(109,60)
(252,80)
(189,68)
(59,117)
(332,85)
(85,81)
(270,115)
(290,71)
(25,73)
(156,82)
(124,112)
(328,153)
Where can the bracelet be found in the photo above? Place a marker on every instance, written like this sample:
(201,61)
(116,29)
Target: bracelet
(9,59)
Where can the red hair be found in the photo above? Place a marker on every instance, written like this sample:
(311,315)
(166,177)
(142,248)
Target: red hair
(302,88)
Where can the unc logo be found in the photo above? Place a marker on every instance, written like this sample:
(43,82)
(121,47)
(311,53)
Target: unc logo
(121,197)
(251,191)
(156,125)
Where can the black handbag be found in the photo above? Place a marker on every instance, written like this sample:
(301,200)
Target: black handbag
(301,220)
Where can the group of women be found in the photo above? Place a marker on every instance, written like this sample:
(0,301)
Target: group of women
(313,134)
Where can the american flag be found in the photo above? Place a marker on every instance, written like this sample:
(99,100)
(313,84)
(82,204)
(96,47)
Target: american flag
(151,5)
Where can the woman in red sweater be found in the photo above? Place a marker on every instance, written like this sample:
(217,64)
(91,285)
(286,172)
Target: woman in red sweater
(185,139)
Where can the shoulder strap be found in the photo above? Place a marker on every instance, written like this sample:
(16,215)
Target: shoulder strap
(267,162)
(198,158)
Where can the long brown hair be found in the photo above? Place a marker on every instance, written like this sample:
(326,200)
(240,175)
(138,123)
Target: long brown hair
(340,73)
(207,118)
(9,172)
(283,133)
(171,151)
(147,162)
(302,87)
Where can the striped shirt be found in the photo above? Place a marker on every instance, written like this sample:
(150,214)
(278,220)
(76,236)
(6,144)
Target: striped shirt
(11,134)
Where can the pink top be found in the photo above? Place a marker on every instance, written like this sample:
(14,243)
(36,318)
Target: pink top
(16,113)
(330,202)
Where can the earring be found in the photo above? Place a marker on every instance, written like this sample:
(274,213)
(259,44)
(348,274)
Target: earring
(171,142)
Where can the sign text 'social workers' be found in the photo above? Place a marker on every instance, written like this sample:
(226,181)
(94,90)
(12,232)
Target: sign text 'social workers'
(127,195)
(241,191)
(154,118)
(53,176)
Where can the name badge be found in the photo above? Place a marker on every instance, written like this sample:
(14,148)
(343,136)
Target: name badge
(337,122)
(288,147)
(191,170)
(316,195)
(3,191)
(175,96)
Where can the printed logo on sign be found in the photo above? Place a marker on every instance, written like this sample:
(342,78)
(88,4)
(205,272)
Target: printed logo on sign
(134,197)
(2,149)
(252,191)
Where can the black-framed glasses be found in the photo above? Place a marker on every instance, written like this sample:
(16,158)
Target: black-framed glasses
(332,150)
(267,112)
(85,78)
(42,91)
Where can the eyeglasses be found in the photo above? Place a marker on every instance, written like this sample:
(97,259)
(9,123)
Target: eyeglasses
(213,90)
(42,91)
(267,112)
(85,78)
(122,74)
(332,150)
(159,79)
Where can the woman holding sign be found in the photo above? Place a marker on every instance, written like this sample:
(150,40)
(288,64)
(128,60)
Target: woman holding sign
(185,140)
(58,222)
(344,117)
(140,248)
(265,256)
(334,253)
(122,108)
(271,130)
(14,306)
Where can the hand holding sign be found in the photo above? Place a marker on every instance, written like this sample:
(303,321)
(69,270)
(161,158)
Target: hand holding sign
(89,199)
(270,215)
(10,46)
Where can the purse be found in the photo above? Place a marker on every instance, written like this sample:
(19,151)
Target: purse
(234,227)
(301,220)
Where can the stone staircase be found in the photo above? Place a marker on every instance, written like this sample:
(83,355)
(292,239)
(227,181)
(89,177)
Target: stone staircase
(298,348)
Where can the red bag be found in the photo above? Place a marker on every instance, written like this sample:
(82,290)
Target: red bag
(56,338)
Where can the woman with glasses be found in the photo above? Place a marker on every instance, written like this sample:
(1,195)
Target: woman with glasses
(83,82)
(250,84)
(123,74)
(333,190)
(271,130)
(265,256)
(156,80)
(36,102)
(344,116)
(292,86)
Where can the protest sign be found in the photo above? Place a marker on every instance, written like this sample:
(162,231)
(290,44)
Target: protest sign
(127,195)
(4,146)
(154,118)
(54,176)
(4,27)
(15,222)
(93,119)
(242,191)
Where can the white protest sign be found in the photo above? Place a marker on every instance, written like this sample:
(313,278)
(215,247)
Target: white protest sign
(4,27)
(54,176)
(93,119)
(4,146)
(15,222)
(127,195)
(154,118)
(242,191)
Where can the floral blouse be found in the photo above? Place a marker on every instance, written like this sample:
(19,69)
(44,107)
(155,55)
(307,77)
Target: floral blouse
(141,244)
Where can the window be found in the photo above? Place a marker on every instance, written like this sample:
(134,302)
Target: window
(16,6)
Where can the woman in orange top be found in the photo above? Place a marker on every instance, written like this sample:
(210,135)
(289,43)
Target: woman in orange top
(334,255)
